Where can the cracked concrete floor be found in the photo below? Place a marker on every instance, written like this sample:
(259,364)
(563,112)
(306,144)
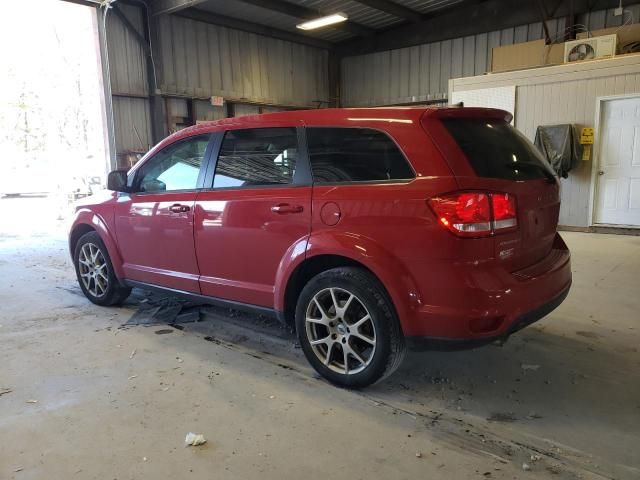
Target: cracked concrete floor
(87,399)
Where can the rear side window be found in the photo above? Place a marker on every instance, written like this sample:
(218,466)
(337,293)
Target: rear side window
(495,149)
(354,155)
(257,156)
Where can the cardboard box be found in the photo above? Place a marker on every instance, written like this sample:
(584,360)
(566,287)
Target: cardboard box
(526,55)
(627,34)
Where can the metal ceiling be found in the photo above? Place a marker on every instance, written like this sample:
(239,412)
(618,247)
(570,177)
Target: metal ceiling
(358,12)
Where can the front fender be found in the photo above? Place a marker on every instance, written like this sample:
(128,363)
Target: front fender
(382,263)
(85,216)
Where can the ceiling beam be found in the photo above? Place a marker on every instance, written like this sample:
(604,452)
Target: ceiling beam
(467,18)
(305,13)
(259,29)
(159,7)
(393,8)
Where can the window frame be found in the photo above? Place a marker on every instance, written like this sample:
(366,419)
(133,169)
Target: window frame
(360,182)
(301,177)
(204,165)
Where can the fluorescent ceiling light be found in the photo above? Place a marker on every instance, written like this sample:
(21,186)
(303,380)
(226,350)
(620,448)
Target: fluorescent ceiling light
(323,21)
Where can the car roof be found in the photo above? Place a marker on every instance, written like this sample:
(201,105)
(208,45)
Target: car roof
(338,116)
(372,117)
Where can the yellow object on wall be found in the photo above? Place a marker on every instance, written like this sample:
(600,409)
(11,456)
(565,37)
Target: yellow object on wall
(586,136)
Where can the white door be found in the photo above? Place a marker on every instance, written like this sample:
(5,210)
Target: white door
(618,199)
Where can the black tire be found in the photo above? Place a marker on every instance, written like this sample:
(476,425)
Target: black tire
(113,293)
(389,347)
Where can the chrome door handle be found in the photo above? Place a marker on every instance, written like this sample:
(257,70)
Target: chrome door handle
(286,208)
(177,208)
(600,172)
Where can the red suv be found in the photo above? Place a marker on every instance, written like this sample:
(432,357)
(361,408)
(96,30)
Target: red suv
(367,230)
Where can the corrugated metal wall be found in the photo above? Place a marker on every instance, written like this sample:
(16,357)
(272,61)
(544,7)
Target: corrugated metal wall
(559,95)
(201,60)
(198,60)
(422,73)
(128,73)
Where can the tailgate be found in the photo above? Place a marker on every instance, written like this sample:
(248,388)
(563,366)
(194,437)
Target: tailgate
(486,153)
(538,207)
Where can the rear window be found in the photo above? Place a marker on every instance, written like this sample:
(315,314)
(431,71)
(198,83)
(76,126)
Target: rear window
(354,155)
(495,149)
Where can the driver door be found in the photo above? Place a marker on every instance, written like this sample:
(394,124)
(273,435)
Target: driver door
(154,223)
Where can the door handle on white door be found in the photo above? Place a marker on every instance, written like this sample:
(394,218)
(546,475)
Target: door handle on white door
(600,172)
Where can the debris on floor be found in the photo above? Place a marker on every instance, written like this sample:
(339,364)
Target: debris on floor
(4,391)
(32,401)
(501,417)
(163,331)
(526,366)
(194,439)
(161,309)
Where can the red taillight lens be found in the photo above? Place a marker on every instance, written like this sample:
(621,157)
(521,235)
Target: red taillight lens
(504,211)
(476,214)
(466,213)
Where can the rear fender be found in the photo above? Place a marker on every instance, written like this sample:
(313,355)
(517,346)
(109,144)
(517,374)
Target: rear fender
(294,256)
(383,264)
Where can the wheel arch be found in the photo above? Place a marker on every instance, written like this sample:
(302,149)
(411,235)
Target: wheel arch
(332,251)
(78,231)
(87,221)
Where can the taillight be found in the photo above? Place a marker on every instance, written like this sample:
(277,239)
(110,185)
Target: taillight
(504,211)
(476,214)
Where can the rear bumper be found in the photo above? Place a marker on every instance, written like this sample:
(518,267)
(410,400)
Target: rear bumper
(440,343)
(491,303)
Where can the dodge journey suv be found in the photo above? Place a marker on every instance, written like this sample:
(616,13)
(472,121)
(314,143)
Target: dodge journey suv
(368,231)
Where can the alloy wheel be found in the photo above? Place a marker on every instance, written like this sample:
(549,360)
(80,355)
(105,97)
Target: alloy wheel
(340,330)
(93,270)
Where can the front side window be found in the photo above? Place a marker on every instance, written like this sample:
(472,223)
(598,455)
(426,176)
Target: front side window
(355,155)
(257,157)
(176,167)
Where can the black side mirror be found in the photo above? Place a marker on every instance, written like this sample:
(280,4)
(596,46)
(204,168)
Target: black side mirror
(117,181)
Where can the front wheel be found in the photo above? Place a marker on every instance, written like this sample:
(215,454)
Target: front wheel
(95,272)
(348,328)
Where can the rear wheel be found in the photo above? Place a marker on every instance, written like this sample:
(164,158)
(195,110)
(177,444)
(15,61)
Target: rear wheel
(95,272)
(348,328)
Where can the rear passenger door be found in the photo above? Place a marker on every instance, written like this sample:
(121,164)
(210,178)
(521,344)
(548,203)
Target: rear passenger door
(257,209)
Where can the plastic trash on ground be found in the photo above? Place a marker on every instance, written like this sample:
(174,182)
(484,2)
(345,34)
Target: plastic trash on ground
(194,439)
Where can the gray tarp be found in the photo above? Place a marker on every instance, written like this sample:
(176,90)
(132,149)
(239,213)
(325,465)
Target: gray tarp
(560,146)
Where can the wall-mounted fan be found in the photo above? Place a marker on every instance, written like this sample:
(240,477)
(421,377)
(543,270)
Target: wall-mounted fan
(582,51)
(590,48)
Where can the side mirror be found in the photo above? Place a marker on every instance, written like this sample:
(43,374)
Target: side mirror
(117,181)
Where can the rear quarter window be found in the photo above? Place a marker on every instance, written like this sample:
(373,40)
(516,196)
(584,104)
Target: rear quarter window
(341,155)
(495,149)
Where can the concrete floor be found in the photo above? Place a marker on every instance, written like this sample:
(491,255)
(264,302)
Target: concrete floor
(87,399)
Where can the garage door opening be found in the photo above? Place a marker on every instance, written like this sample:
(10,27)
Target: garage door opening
(51,113)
